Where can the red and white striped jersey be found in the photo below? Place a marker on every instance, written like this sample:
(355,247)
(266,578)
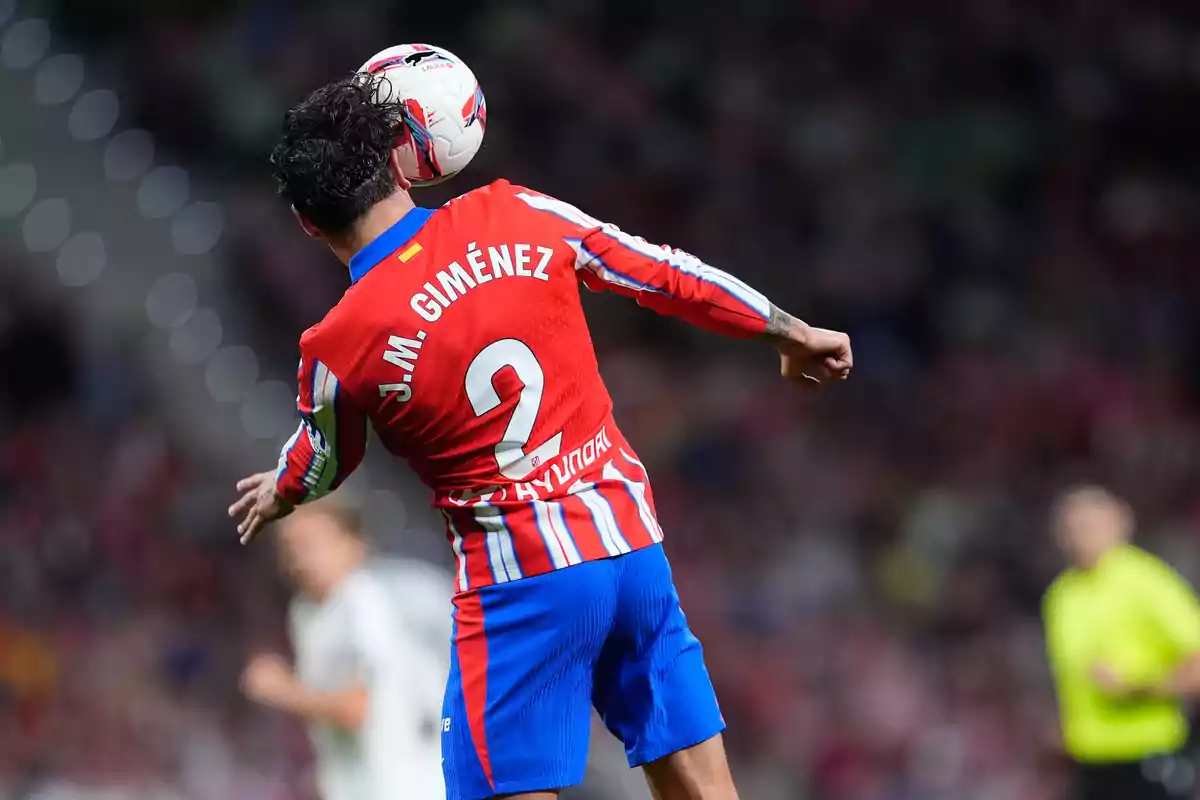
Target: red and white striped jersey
(463,342)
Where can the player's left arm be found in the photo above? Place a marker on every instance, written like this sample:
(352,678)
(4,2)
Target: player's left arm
(676,283)
(328,445)
(679,284)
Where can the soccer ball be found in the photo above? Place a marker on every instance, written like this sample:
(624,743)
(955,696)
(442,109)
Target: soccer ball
(442,111)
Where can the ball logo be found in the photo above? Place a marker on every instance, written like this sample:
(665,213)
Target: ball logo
(422,57)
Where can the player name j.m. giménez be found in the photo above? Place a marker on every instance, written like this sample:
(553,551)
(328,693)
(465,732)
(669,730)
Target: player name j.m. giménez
(455,281)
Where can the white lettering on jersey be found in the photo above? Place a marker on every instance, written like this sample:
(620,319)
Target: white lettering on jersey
(456,281)
(563,470)
(403,353)
(540,271)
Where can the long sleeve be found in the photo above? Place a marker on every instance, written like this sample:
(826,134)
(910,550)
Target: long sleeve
(328,444)
(666,280)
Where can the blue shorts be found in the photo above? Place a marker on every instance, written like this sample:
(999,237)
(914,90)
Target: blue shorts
(531,658)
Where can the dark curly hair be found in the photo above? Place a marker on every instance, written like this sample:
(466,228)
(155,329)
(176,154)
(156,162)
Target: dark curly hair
(332,160)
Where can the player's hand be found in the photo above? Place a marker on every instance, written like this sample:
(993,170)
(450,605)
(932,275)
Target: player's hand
(1107,680)
(268,680)
(259,505)
(815,357)
(1110,682)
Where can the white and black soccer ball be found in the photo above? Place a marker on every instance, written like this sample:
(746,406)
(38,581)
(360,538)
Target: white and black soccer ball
(442,109)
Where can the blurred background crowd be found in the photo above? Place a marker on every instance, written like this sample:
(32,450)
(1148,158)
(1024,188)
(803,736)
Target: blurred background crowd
(998,202)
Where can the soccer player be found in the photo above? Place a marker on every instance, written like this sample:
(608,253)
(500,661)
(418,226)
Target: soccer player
(370,669)
(462,341)
(1123,636)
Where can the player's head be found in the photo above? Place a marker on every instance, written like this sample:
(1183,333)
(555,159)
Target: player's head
(320,543)
(1088,521)
(336,159)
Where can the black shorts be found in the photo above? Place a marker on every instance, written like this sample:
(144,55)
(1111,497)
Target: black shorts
(1169,777)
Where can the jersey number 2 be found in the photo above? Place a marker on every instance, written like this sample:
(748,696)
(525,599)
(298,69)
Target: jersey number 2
(511,456)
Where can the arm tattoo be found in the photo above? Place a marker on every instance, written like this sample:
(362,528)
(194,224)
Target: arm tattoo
(781,324)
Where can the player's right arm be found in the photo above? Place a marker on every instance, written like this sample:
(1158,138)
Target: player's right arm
(329,442)
(673,282)
(328,445)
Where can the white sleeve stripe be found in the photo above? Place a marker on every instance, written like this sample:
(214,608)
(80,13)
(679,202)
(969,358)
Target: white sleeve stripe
(321,428)
(325,385)
(676,259)
(691,265)
(585,259)
(559,209)
(325,397)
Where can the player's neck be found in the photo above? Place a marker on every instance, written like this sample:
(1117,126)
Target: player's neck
(382,216)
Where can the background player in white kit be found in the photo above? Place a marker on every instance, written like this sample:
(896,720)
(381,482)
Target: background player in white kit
(370,638)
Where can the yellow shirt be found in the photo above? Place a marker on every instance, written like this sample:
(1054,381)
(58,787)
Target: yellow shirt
(1136,615)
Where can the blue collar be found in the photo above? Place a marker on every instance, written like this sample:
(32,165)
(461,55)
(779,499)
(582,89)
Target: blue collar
(388,242)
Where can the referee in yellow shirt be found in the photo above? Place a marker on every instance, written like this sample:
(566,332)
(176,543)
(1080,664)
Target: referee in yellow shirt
(1123,638)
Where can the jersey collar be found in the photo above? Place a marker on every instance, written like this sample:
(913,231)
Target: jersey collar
(388,242)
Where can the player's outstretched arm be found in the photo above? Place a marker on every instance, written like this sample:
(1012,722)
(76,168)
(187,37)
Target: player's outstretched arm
(812,356)
(673,282)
